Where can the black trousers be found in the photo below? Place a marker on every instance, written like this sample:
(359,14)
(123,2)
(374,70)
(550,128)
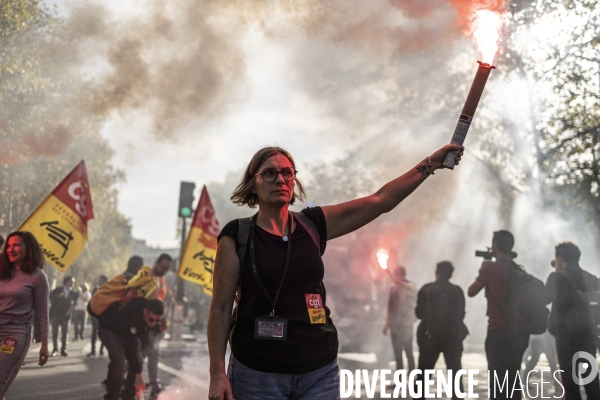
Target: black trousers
(566,347)
(430,350)
(63,323)
(114,378)
(95,325)
(504,353)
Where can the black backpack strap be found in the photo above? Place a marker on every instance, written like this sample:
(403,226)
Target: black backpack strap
(310,227)
(242,241)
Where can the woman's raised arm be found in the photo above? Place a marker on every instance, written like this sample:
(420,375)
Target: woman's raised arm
(347,217)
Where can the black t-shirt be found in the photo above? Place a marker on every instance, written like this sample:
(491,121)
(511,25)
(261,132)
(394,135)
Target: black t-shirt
(308,346)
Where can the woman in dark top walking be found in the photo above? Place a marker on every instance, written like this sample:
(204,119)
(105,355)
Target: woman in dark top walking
(23,290)
(284,343)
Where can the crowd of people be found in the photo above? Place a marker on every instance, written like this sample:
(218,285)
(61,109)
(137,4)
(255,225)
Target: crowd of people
(269,270)
(572,325)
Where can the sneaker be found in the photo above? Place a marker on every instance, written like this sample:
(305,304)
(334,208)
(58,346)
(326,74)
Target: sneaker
(64,353)
(54,353)
(91,354)
(155,391)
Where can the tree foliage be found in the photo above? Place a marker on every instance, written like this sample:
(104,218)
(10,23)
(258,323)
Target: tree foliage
(545,141)
(42,137)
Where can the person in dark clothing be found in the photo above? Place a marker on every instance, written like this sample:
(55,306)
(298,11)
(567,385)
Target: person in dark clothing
(285,347)
(504,350)
(400,316)
(102,279)
(62,300)
(441,309)
(122,332)
(570,321)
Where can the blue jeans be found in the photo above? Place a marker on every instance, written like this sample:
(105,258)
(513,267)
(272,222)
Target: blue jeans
(10,364)
(249,384)
(151,349)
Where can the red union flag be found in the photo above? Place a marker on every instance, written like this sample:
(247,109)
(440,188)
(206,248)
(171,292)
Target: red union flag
(198,260)
(60,222)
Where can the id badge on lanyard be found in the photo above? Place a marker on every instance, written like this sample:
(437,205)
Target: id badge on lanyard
(270,327)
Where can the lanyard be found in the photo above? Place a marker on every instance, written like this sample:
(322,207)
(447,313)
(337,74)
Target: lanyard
(253,261)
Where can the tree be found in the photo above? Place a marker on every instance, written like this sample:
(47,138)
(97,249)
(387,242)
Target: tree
(549,148)
(42,138)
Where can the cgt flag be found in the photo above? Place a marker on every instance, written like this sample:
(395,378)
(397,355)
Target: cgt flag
(60,222)
(198,258)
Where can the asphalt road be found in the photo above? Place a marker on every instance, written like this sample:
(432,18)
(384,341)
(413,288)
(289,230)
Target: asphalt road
(184,373)
(78,377)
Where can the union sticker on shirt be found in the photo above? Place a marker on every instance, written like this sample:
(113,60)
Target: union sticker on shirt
(316,309)
(8,346)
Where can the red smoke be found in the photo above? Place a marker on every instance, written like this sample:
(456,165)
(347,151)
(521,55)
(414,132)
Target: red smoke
(466,9)
(420,9)
(50,142)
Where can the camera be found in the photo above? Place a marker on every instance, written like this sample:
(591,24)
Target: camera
(487,254)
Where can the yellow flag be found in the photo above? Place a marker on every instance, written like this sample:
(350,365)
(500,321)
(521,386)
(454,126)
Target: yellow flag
(60,222)
(198,260)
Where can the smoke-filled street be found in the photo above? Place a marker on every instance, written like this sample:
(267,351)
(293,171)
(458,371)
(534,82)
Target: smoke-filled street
(349,198)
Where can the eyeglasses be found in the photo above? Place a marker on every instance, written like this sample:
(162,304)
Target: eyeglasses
(270,174)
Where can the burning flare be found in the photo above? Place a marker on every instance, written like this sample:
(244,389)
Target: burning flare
(382,258)
(486,31)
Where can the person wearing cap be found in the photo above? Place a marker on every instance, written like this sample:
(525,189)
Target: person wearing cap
(503,350)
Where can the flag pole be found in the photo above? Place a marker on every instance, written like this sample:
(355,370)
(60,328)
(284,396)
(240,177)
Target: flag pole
(177,298)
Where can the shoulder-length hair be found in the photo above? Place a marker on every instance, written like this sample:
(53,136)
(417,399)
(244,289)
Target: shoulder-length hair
(243,196)
(34,258)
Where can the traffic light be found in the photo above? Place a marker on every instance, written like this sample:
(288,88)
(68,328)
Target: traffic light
(186,199)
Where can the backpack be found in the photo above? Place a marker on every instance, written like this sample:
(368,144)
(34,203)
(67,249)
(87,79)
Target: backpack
(122,289)
(524,311)
(444,312)
(242,241)
(590,299)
